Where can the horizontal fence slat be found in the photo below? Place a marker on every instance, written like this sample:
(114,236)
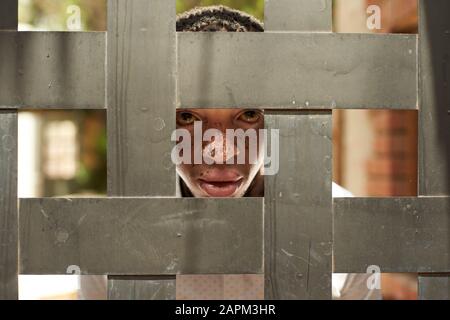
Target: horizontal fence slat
(52,70)
(141,236)
(259,70)
(135,288)
(297,70)
(395,234)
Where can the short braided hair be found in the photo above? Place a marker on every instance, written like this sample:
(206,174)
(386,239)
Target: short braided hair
(217,18)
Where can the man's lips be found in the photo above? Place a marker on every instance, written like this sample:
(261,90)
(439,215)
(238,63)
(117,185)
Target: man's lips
(220,188)
(215,175)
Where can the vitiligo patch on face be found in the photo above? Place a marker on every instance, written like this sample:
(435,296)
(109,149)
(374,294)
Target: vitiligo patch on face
(231,148)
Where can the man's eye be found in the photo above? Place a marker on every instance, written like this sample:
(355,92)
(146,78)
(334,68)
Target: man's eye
(250,116)
(186,118)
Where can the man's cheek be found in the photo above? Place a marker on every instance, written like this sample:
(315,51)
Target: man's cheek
(185,171)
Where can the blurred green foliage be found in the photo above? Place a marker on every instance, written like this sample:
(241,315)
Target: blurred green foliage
(52,15)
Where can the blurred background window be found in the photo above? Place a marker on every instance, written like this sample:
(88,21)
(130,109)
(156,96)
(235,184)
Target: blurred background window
(62,153)
(61,150)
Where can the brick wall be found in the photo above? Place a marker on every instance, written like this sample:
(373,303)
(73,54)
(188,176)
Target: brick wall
(392,169)
(397,16)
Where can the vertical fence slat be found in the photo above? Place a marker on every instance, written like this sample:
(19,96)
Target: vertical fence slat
(8,206)
(434,287)
(298,15)
(141,101)
(434,98)
(8,179)
(298,209)
(434,119)
(141,66)
(298,219)
(9,14)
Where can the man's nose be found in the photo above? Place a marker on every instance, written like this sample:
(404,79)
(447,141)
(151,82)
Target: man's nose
(220,150)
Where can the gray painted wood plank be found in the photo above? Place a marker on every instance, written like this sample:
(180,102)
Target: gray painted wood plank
(141,236)
(8,205)
(141,97)
(298,219)
(297,70)
(298,15)
(395,234)
(52,70)
(8,179)
(327,71)
(434,287)
(434,94)
(141,115)
(9,14)
(151,288)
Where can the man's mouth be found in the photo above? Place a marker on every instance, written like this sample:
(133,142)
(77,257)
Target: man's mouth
(218,189)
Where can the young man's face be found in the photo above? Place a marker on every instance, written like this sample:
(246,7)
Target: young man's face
(221,180)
